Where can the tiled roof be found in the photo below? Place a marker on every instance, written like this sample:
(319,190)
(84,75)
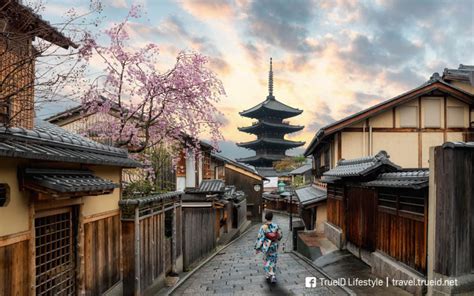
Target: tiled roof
(272,141)
(142,201)
(261,125)
(67,181)
(310,194)
(19,12)
(409,178)
(468,145)
(270,172)
(301,170)
(212,186)
(52,143)
(464,73)
(271,104)
(254,158)
(361,166)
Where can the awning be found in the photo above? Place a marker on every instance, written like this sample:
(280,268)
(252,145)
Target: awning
(65,182)
(310,195)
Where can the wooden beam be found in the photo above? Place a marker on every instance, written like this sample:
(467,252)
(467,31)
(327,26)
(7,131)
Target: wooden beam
(99,216)
(14,238)
(406,129)
(394,117)
(339,146)
(420,140)
(445,136)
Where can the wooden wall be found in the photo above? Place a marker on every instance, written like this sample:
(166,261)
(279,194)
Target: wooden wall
(14,266)
(246,184)
(239,214)
(403,239)
(360,224)
(199,234)
(454,230)
(101,254)
(335,206)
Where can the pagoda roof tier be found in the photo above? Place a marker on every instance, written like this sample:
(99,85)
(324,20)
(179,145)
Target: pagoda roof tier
(262,157)
(271,142)
(271,108)
(264,125)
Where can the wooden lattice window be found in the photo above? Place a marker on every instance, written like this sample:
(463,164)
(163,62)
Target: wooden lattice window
(402,204)
(55,254)
(4,195)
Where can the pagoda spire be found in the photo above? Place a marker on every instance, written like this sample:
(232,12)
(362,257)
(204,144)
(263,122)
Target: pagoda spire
(270,81)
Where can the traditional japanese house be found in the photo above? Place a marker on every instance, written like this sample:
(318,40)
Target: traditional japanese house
(440,110)
(312,207)
(302,175)
(378,211)
(60,229)
(245,179)
(59,214)
(270,129)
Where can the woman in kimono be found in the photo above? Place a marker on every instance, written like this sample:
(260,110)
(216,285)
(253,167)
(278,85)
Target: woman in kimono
(268,238)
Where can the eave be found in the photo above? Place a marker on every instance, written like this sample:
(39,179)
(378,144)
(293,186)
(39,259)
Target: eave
(276,126)
(271,142)
(436,84)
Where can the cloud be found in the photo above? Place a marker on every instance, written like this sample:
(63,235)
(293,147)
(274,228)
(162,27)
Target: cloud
(208,9)
(320,117)
(282,23)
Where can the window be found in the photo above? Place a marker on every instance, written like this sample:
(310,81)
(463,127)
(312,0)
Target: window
(4,195)
(432,112)
(402,204)
(455,116)
(408,116)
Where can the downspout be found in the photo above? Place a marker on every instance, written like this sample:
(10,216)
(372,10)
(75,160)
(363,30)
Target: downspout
(363,139)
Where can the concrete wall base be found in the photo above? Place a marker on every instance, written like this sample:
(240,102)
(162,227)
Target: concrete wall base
(463,285)
(385,267)
(360,253)
(335,235)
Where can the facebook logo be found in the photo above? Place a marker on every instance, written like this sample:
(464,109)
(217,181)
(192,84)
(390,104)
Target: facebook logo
(310,282)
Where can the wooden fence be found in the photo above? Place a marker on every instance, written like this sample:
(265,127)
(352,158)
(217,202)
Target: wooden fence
(101,254)
(150,239)
(199,234)
(454,211)
(239,215)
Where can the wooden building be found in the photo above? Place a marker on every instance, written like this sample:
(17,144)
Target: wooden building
(406,126)
(60,220)
(312,206)
(59,192)
(379,212)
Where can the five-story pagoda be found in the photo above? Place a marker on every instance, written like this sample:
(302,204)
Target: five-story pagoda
(270,129)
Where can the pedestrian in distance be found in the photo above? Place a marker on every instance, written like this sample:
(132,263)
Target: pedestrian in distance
(269,236)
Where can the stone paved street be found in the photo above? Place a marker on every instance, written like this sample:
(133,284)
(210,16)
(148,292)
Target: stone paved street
(238,271)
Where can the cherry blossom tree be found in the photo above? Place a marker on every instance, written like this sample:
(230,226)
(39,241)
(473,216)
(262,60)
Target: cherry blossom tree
(152,108)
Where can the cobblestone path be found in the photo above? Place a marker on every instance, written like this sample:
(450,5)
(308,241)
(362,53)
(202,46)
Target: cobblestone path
(236,270)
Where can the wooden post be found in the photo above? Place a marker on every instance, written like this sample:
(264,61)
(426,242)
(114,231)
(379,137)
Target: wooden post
(173,240)
(137,250)
(31,251)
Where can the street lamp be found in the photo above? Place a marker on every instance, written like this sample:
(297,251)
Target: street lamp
(285,194)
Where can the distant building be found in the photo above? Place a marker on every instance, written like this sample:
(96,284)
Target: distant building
(406,126)
(270,129)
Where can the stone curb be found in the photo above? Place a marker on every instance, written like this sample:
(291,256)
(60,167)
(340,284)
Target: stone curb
(347,290)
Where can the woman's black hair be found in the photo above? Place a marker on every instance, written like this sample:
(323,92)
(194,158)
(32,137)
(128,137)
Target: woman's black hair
(268,216)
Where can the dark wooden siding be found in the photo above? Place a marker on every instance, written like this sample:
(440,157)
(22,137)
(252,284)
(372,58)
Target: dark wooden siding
(453,176)
(246,184)
(101,254)
(199,234)
(335,205)
(361,205)
(403,239)
(14,269)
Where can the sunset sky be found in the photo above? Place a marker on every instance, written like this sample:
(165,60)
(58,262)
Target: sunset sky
(330,58)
